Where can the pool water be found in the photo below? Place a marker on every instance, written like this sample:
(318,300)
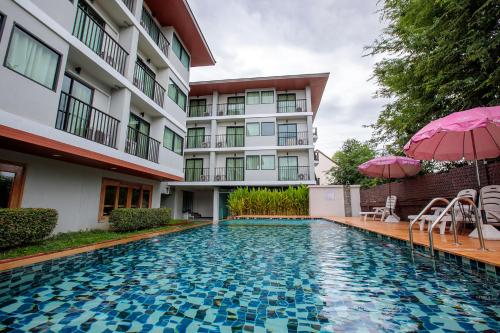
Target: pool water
(306,276)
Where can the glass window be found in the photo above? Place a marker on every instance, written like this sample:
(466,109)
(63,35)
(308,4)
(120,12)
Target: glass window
(31,58)
(287,103)
(253,97)
(267,129)
(267,162)
(11,185)
(175,93)
(168,138)
(235,105)
(117,194)
(253,129)
(178,143)
(198,108)
(173,141)
(2,21)
(253,162)
(267,97)
(180,52)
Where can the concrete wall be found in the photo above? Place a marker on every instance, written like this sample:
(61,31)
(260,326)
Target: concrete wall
(324,166)
(331,201)
(72,189)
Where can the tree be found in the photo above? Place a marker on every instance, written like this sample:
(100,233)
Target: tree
(352,154)
(439,56)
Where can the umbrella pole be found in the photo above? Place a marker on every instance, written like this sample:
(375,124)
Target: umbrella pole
(390,203)
(483,212)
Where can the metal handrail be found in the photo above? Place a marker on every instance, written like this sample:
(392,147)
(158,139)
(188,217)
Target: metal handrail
(451,206)
(425,210)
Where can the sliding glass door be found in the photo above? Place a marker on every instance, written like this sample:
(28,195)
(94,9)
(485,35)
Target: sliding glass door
(194,169)
(195,137)
(235,136)
(288,167)
(234,168)
(287,134)
(138,136)
(75,107)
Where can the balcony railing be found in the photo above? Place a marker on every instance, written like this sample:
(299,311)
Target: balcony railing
(292,138)
(298,105)
(198,141)
(92,34)
(154,31)
(148,85)
(230,109)
(76,117)
(291,173)
(200,110)
(129,4)
(141,145)
(229,174)
(196,175)
(229,140)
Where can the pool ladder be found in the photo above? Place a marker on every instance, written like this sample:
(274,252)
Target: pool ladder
(449,208)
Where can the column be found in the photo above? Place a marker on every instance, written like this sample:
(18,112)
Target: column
(216,205)
(119,108)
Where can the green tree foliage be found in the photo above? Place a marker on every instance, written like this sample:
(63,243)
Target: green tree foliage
(440,56)
(265,201)
(352,154)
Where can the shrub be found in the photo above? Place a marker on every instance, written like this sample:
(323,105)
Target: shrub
(19,226)
(264,201)
(130,219)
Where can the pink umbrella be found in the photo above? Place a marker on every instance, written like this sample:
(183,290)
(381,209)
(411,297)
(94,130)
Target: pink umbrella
(471,135)
(390,167)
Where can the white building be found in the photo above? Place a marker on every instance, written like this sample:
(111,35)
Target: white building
(93,103)
(322,166)
(246,132)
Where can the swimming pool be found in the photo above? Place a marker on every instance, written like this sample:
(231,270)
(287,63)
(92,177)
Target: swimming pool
(303,276)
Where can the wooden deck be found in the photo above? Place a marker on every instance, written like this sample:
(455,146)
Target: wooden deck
(469,247)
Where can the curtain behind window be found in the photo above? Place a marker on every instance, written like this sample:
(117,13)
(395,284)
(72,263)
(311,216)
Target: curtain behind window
(31,58)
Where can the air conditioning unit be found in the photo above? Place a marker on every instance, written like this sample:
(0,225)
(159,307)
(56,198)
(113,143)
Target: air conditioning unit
(205,144)
(220,113)
(301,141)
(203,178)
(206,114)
(220,145)
(298,109)
(218,178)
(166,190)
(302,176)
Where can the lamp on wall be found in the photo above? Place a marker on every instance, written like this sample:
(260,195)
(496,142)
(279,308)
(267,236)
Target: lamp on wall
(78,70)
(142,114)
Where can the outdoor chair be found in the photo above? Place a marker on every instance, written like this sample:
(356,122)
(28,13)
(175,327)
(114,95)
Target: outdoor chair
(428,218)
(463,212)
(390,203)
(490,199)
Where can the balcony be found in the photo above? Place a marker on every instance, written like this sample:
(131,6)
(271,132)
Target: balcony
(299,105)
(196,175)
(229,140)
(293,173)
(292,138)
(229,174)
(148,85)
(230,109)
(92,33)
(198,141)
(315,134)
(316,158)
(141,145)
(129,4)
(83,120)
(154,31)
(200,110)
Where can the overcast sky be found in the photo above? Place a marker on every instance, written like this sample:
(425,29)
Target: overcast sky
(279,37)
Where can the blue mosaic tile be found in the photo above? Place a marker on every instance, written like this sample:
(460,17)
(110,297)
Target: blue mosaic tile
(246,276)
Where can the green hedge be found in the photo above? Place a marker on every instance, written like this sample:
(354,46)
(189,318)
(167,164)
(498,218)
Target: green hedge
(19,226)
(265,201)
(129,219)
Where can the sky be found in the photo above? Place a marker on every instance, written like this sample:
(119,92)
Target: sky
(280,37)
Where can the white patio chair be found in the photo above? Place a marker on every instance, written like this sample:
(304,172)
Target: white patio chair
(463,212)
(428,218)
(382,211)
(490,199)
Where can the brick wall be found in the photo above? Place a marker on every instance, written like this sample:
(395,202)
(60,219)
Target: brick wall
(416,192)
